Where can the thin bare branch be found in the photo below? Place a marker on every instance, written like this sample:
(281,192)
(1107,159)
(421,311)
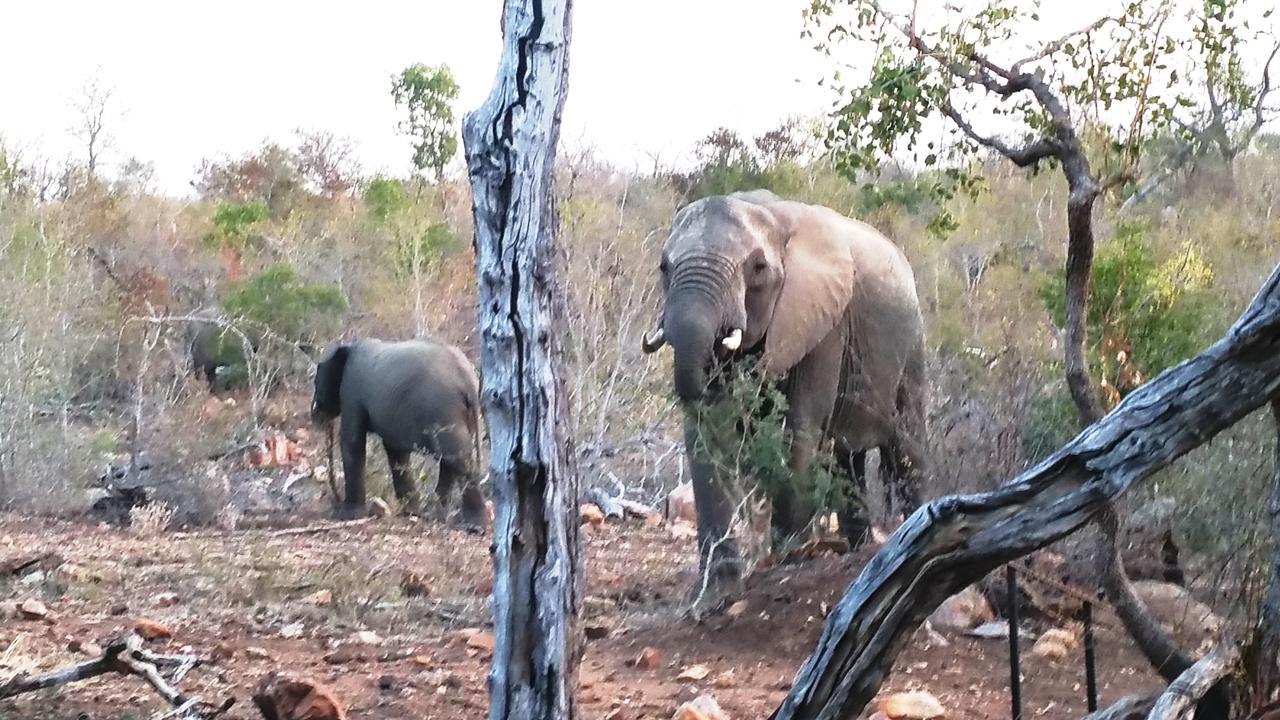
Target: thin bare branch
(1021,156)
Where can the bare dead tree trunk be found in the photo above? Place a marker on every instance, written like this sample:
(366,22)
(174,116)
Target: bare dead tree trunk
(954,541)
(510,146)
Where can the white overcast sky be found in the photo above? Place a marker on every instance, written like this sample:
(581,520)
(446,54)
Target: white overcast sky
(195,80)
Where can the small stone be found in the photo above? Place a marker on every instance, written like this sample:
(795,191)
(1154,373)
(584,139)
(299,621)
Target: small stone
(482,641)
(682,531)
(917,705)
(367,637)
(962,611)
(257,653)
(703,707)
(319,598)
(291,631)
(8,610)
(591,514)
(694,672)
(379,508)
(165,599)
(292,698)
(737,609)
(85,647)
(151,630)
(388,683)
(649,659)
(991,630)
(596,631)
(33,610)
(414,585)
(120,609)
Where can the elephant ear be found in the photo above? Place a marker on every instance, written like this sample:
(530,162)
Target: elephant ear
(328,382)
(816,289)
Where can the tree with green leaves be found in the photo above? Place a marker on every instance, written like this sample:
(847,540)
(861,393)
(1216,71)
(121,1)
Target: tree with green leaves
(1083,103)
(427,94)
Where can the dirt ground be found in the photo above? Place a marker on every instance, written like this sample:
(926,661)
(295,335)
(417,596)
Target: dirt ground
(253,601)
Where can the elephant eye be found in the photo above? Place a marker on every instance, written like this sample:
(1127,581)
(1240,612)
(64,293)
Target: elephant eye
(663,267)
(759,266)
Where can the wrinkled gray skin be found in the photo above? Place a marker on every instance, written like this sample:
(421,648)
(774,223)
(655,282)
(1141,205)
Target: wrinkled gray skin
(201,336)
(415,395)
(828,307)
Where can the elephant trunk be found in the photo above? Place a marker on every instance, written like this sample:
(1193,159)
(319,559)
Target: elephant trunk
(691,326)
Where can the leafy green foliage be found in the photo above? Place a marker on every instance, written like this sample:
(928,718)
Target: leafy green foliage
(1145,314)
(427,95)
(277,299)
(233,224)
(384,198)
(743,434)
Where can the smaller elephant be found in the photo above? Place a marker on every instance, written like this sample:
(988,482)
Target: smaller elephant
(203,340)
(415,395)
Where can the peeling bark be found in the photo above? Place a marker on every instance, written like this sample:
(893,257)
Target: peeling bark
(511,145)
(954,541)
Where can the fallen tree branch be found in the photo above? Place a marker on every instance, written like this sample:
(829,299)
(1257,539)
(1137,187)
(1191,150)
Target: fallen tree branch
(954,541)
(1132,707)
(285,532)
(1183,694)
(126,656)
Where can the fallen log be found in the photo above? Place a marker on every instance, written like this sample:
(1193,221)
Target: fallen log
(126,655)
(954,541)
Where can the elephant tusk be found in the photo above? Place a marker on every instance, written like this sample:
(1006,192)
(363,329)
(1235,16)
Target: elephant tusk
(734,340)
(654,342)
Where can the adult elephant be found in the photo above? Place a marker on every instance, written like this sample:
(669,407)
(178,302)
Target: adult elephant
(415,395)
(823,305)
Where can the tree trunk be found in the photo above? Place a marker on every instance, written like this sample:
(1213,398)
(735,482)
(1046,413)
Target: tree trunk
(955,541)
(1263,655)
(510,146)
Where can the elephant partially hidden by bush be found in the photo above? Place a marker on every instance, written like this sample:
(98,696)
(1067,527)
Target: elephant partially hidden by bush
(415,395)
(826,308)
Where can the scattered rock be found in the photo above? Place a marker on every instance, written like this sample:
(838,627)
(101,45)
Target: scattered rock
(682,530)
(414,585)
(694,672)
(1187,620)
(281,697)
(8,610)
(367,637)
(33,610)
(482,641)
(678,505)
(319,598)
(379,508)
(649,659)
(348,654)
(120,609)
(991,630)
(165,599)
(591,514)
(257,653)
(917,705)
(595,631)
(703,707)
(725,679)
(85,647)
(737,610)
(963,611)
(1050,649)
(151,630)
(388,683)
(291,631)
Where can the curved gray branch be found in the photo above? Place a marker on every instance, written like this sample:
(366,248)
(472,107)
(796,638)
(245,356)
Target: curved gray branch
(954,541)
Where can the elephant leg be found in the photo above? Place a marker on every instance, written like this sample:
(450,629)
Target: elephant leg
(353,457)
(811,390)
(907,447)
(401,464)
(455,450)
(855,523)
(719,561)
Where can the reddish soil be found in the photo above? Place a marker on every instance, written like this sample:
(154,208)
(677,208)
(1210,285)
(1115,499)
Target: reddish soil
(247,600)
